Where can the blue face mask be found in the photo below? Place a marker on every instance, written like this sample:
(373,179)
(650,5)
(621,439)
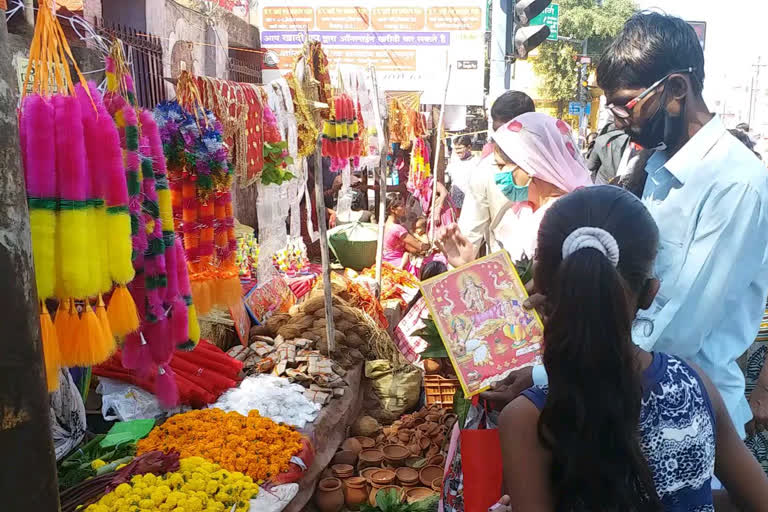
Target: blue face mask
(512,191)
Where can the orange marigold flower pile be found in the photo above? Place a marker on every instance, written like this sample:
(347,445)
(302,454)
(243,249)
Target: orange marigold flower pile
(253,445)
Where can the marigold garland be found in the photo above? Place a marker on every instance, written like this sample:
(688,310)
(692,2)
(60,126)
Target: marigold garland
(254,445)
(198,485)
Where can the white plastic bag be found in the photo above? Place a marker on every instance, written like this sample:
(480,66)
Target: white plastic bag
(124,402)
(274,500)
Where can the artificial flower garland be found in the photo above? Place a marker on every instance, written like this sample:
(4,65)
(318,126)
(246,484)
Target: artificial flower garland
(341,135)
(200,181)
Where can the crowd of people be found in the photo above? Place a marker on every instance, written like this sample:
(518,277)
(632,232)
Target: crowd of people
(651,275)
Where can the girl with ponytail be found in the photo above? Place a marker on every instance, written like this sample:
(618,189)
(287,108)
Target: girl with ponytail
(617,429)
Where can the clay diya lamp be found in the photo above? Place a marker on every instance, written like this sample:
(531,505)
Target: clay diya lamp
(437,484)
(432,451)
(428,474)
(417,494)
(366,442)
(396,454)
(404,435)
(424,443)
(355,492)
(407,477)
(329,496)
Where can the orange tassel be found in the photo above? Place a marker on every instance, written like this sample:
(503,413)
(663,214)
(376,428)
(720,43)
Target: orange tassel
(91,348)
(51,354)
(122,314)
(108,339)
(67,323)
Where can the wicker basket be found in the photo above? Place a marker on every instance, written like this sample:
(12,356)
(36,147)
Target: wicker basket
(440,390)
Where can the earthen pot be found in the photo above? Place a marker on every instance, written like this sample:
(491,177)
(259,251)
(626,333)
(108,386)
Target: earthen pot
(343,471)
(366,442)
(448,420)
(407,477)
(424,443)
(432,418)
(355,492)
(437,484)
(428,474)
(383,477)
(329,496)
(344,457)
(370,458)
(432,450)
(417,494)
(352,445)
(396,454)
(404,435)
(375,490)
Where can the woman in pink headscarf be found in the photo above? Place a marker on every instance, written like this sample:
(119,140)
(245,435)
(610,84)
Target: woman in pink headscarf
(536,162)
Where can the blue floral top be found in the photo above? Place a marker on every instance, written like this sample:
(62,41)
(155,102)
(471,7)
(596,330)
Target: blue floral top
(677,433)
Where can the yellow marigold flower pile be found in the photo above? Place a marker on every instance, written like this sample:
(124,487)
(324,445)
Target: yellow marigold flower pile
(253,445)
(198,486)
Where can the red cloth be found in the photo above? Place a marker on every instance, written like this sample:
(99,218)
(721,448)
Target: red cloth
(202,375)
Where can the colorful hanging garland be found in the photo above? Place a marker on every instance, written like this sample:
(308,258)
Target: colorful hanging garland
(276,157)
(201,178)
(78,204)
(168,317)
(341,137)
(419,172)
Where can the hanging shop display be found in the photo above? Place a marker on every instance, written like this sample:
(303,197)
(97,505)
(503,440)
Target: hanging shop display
(161,288)
(78,203)
(200,181)
(341,137)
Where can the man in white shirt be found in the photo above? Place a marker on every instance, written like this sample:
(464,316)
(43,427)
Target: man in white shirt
(484,201)
(708,194)
(460,169)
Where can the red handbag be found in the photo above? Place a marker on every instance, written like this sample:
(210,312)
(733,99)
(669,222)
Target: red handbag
(481,465)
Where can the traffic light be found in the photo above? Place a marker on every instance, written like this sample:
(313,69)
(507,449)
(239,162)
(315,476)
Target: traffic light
(526,37)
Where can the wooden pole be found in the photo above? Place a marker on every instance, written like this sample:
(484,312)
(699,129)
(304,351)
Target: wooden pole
(439,149)
(28,476)
(383,130)
(320,205)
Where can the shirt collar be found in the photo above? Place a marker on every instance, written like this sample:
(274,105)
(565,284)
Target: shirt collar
(692,153)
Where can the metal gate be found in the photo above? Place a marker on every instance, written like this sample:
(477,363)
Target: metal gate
(146,54)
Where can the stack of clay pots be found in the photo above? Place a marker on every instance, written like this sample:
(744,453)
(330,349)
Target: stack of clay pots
(408,456)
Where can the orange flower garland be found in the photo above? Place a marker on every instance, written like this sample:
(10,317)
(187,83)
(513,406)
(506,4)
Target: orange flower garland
(253,445)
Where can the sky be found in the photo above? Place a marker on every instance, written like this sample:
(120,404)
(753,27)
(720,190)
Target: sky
(734,41)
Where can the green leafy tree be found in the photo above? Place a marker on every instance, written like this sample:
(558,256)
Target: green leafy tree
(556,63)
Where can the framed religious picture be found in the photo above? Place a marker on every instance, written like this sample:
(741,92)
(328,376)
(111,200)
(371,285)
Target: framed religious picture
(478,310)
(242,321)
(273,296)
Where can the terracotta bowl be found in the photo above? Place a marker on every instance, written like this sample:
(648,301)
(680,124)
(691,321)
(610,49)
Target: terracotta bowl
(428,474)
(417,494)
(368,472)
(407,476)
(383,477)
(395,454)
(371,456)
(343,470)
(437,460)
(437,484)
(366,442)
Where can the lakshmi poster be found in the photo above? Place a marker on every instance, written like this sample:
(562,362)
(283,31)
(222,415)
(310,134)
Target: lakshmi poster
(478,309)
